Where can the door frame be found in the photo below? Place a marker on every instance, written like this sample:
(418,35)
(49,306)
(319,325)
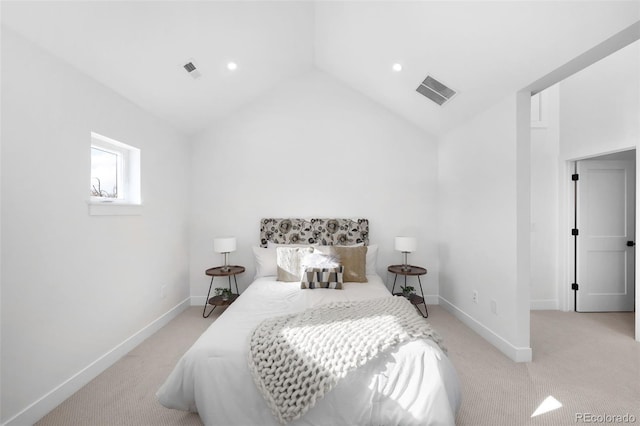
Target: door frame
(586,241)
(566,239)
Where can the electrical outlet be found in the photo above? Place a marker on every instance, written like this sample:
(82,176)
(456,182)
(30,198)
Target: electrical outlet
(474,297)
(494,307)
(163,291)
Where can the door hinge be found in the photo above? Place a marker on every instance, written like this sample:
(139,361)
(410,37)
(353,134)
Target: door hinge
(575,176)
(574,286)
(574,231)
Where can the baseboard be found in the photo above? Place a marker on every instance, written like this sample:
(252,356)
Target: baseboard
(51,400)
(544,305)
(432,299)
(517,354)
(198,300)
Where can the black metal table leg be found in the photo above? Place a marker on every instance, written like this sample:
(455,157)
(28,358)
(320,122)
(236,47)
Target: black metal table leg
(206,302)
(420,312)
(236,281)
(424,302)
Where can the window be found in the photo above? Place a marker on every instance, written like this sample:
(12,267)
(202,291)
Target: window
(106,173)
(115,172)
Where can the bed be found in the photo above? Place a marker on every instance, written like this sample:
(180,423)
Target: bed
(412,382)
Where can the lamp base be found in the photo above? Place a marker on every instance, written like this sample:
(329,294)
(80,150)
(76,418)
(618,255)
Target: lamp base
(226,267)
(405,266)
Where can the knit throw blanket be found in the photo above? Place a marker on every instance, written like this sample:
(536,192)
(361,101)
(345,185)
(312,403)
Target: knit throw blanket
(296,359)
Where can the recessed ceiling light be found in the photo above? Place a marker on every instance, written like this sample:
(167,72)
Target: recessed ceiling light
(232,66)
(397,67)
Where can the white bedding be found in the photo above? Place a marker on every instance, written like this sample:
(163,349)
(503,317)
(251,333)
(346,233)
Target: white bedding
(413,384)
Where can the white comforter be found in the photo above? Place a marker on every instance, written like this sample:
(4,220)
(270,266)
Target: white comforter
(413,384)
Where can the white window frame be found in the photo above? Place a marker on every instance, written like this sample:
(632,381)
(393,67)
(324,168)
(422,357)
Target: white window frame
(129,199)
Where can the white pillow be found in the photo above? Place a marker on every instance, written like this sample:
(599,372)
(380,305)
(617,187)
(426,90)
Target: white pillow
(320,259)
(290,262)
(371,259)
(266,262)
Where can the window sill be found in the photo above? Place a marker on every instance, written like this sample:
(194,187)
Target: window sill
(114,209)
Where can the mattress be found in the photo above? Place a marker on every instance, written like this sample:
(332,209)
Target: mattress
(414,383)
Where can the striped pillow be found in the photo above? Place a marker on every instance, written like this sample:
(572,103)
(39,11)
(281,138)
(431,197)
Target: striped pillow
(323,278)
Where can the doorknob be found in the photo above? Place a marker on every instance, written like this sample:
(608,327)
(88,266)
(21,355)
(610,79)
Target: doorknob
(631,243)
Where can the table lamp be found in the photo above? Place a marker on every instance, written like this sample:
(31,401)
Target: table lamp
(224,245)
(406,245)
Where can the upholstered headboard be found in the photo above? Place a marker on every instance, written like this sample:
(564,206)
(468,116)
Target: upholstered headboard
(314,231)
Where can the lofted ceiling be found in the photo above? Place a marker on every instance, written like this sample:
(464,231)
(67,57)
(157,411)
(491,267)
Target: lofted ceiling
(485,50)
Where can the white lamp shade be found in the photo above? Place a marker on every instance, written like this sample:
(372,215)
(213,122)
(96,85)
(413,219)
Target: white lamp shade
(224,244)
(406,244)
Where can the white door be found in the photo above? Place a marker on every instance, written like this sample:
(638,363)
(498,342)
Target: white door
(606,225)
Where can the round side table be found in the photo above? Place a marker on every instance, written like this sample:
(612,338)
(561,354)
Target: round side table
(222,271)
(406,271)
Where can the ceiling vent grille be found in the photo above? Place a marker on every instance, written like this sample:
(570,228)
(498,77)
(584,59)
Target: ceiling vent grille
(192,70)
(436,91)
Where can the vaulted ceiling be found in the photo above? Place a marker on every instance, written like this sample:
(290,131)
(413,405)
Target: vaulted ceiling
(484,50)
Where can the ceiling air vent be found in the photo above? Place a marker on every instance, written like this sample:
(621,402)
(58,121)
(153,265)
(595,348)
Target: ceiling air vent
(192,70)
(436,91)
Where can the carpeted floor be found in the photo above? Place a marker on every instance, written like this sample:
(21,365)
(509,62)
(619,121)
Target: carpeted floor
(588,362)
(125,393)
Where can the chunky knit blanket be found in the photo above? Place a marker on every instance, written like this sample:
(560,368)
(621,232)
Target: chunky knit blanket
(296,359)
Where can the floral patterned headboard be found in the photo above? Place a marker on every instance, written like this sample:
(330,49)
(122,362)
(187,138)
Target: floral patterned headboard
(314,231)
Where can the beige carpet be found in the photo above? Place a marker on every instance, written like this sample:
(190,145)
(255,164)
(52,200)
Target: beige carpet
(125,393)
(588,362)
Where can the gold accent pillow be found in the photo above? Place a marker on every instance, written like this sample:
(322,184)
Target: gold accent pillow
(354,260)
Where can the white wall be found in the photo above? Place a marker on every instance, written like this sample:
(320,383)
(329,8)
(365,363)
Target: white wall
(545,141)
(599,106)
(480,234)
(595,111)
(74,286)
(312,148)
(599,114)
